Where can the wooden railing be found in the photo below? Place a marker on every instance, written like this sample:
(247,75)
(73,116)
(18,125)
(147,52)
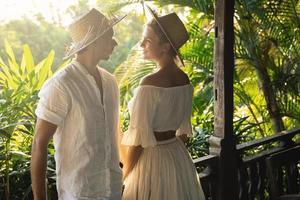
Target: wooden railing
(252,176)
(208,176)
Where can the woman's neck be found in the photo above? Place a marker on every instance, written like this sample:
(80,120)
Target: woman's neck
(166,62)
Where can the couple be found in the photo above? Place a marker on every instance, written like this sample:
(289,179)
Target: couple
(79,108)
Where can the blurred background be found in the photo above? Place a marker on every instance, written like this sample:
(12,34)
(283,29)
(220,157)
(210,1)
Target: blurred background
(33,39)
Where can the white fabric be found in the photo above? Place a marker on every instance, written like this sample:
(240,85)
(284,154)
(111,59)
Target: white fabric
(158,109)
(87,160)
(164,172)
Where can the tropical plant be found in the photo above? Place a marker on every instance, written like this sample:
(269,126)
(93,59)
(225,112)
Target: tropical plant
(267,43)
(46,36)
(19,85)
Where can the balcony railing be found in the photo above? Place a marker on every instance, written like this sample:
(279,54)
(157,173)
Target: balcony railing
(252,176)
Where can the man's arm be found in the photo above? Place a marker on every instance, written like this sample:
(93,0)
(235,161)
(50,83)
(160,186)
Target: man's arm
(43,134)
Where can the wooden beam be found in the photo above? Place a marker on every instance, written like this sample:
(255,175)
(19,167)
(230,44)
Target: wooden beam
(222,143)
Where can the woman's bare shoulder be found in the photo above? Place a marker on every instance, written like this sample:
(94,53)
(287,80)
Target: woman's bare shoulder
(151,79)
(169,79)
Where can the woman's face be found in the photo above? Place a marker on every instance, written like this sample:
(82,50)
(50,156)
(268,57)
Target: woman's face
(151,44)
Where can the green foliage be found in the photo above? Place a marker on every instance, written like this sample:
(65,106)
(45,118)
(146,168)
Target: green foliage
(206,7)
(267,36)
(127,34)
(130,72)
(39,34)
(47,36)
(19,85)
(79,8)
(198,55)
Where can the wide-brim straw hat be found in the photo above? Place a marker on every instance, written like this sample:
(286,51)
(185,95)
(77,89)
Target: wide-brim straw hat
(173,29)
(88,28)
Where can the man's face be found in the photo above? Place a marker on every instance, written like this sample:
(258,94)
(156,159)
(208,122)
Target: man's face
(104,45)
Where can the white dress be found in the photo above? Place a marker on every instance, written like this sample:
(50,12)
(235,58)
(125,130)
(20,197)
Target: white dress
(165,170)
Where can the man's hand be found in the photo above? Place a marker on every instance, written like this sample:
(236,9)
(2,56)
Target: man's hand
(44,131)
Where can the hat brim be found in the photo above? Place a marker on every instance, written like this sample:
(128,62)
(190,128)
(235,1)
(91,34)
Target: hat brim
(78,47)
(165,33)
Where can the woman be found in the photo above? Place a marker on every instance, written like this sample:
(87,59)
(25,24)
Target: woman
(157,165)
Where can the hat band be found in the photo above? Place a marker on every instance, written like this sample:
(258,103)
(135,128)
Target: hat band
(91,35)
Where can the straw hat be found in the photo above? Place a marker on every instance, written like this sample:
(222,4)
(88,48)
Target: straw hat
(174,30)
(88,28)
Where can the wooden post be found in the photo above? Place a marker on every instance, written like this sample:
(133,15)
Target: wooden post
(223,143)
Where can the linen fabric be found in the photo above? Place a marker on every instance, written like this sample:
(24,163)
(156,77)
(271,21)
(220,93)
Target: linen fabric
(86,153)
(164,170)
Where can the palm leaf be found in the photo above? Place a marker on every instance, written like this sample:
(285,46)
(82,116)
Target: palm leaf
(130,72)
(206,7)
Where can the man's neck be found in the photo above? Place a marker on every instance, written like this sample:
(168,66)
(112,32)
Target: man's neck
(89,64)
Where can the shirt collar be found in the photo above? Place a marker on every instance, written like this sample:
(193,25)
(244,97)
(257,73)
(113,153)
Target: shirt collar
(80,67)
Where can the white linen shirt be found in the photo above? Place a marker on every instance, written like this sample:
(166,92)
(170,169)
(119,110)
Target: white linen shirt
(86,152)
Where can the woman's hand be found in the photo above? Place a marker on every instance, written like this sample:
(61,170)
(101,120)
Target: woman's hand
(132,157)
(183,138)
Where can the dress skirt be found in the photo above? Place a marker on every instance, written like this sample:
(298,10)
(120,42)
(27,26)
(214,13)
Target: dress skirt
(164,172)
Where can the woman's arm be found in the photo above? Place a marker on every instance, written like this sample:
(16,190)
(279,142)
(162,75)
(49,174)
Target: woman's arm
(183,138)
(122,148)
(133,154)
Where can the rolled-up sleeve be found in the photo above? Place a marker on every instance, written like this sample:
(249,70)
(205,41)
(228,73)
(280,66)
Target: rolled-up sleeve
(53,104)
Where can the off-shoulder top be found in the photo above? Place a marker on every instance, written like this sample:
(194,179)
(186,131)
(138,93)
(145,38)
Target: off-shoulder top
(158,109)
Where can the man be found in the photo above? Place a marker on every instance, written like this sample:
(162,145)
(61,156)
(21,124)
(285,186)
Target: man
(79,107)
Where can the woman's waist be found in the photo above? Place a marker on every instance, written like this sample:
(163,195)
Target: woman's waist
(164,135)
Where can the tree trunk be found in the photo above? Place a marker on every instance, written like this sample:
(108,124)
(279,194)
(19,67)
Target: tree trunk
(269,94)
